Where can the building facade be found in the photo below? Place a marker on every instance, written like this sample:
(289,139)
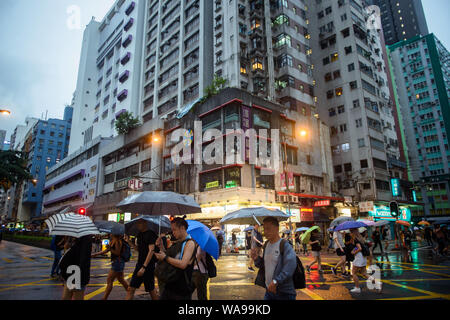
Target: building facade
(72,183)
(354,100)
(177,58)
(2,139)
(223,187)
(109,73)
(421,71)
(264,47)
(49,145)
(401,19)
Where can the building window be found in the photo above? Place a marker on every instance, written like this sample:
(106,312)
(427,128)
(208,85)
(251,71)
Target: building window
(264,181)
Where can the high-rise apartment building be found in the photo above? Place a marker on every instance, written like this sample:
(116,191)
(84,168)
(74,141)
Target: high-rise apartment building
(263,47)
(177,56)
(421,72)
(354,99)
(401,19)
(109,73)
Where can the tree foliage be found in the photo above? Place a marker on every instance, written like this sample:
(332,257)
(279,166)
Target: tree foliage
(126,122)
(13,168)
(216,86)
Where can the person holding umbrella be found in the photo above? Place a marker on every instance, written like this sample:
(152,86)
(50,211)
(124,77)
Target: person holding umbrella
(314,242)
(145,266)
(116,247)
(181,255)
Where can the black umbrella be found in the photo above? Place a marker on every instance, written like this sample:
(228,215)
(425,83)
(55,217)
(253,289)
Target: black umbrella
(156,224)
(159,203)
(111,227)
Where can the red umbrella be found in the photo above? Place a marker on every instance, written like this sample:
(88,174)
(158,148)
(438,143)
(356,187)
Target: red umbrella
(403,223)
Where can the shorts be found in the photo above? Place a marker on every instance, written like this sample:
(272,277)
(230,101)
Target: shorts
(316,253)
(340,253)
(148,278)
(117,265)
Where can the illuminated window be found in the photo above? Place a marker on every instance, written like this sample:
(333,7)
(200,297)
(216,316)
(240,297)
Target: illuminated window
(243,69)
(257,64)
(338,91)
(282,40)
(334,57)
(255,24)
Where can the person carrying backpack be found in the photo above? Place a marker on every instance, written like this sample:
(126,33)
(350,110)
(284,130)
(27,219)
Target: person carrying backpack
(200,275)
(360,252)
(277,266)
(120,254)
(176,264)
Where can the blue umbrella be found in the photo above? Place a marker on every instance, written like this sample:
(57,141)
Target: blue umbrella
(301,229)
(350,225)
(204,237)
(249,228)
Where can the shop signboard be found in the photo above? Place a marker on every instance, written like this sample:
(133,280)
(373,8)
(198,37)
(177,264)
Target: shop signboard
(322,203)
(366,206)
(213,184)
(395,187)
(306,214)
(384,213)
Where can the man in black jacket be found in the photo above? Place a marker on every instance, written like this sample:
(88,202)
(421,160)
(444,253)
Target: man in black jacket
(78,256)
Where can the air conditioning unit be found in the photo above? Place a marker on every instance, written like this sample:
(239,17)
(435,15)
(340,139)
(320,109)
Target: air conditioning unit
(281,198)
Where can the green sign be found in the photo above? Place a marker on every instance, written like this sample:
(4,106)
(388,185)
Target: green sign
(230,184)
(395,186)
(384,213)
(414,195)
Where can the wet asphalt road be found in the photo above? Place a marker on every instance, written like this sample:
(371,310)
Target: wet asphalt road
(24,274)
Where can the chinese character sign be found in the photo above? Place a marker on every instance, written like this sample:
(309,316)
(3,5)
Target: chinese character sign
(395,185)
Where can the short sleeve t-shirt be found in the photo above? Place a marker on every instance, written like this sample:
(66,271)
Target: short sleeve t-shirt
(144,239)
(271,255)
(338,236)
(315,246)
(258,236)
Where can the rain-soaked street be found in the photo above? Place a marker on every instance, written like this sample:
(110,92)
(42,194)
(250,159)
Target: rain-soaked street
(24,274)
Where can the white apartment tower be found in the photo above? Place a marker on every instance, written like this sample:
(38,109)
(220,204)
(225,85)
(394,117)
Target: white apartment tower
(109,74)
(177,56)
(353,97)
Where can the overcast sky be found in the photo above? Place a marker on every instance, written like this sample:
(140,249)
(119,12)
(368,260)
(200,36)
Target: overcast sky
(40,52)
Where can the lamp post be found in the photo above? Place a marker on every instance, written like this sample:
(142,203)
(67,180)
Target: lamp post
(303,133)
(5,112)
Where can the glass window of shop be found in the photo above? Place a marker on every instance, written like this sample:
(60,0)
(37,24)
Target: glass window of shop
(261,119)
(212,121)
(211,180)
(231,119)
(264,181)
(232,177)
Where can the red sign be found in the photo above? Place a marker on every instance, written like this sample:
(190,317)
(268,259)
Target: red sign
(322,203)
(135,184)
(306,214)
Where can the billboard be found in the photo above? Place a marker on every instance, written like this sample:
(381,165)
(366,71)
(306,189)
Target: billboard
(384,213)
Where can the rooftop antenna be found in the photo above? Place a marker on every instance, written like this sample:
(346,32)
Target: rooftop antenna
(46,112)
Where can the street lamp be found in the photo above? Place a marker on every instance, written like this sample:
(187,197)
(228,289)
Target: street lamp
(5,112)
(303,133)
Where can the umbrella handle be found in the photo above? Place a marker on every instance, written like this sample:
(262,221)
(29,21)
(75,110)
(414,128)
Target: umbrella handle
(256,220)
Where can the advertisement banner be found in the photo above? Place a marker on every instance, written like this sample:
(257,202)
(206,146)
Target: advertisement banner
(384,213)
(366,206)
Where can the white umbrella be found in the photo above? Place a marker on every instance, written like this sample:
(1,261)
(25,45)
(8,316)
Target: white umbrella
(74,225)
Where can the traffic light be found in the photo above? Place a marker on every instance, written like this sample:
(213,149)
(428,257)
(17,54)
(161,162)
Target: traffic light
(82,211)
(393,206)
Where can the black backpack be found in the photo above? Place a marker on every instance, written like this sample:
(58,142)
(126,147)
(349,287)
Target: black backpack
(299,274)
(210,266)
(126,251)
(364,249)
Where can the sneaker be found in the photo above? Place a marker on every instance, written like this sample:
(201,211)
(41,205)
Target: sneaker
(308,269)
(251,269)
(333,270)
(356,290)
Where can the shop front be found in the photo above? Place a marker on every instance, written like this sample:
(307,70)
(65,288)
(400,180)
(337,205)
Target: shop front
(382,212)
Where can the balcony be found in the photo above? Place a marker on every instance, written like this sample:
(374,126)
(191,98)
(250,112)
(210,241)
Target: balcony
(127,41)
(126,58)
(124,76)
(129,24)
(119,113)
(130,8)
(122,95)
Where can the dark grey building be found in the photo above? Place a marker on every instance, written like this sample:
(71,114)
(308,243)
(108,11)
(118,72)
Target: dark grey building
(401,19)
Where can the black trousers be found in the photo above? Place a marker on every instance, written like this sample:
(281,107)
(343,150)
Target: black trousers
(378,242)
